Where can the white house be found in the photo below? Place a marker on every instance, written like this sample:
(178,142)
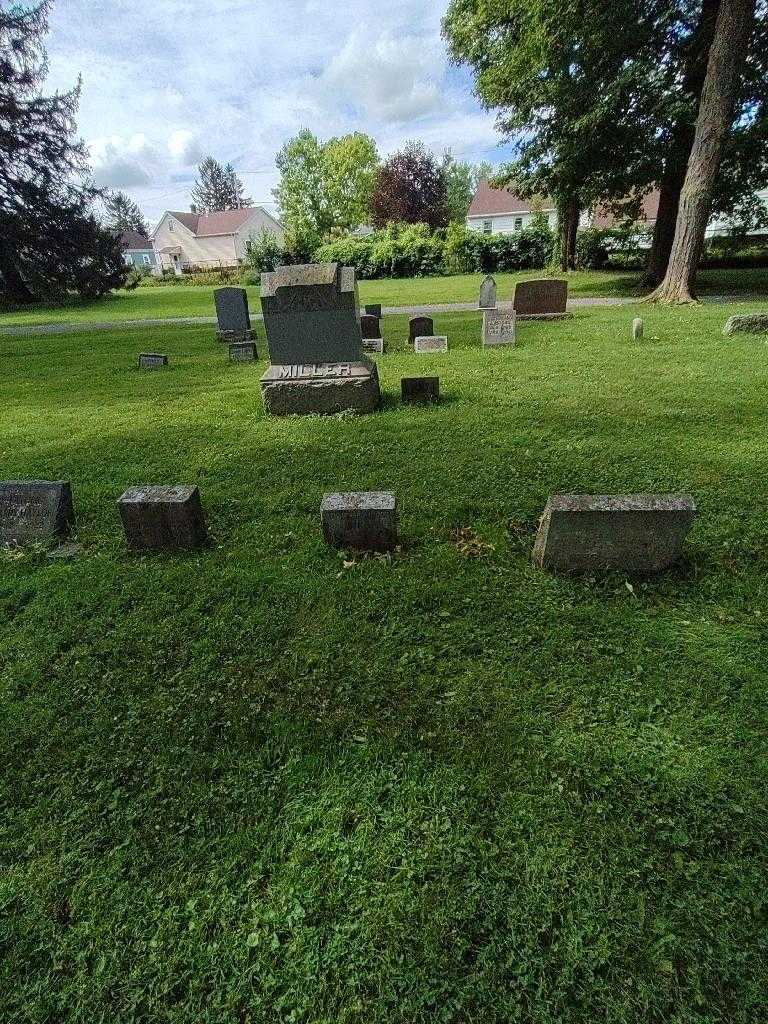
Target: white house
(208,240)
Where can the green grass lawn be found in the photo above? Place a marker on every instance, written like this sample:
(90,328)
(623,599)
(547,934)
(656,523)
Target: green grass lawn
(190,300)
(265,783)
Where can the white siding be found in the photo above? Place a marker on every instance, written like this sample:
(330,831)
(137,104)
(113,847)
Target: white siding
(257,223)
(508,223)
(211,251)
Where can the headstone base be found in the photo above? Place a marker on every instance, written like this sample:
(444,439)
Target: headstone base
(545,316)
(373,345)
(324,388)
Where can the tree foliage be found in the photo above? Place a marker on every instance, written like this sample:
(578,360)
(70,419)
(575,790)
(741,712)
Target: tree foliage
(50,241)
(461,182)
(218,188)
(123,214)
(325,187)
(411,188)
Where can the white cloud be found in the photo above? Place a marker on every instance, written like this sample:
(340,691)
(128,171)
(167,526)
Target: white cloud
(185,148)
(123,163)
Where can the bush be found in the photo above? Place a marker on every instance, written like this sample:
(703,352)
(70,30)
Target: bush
(263,252)
(624,248)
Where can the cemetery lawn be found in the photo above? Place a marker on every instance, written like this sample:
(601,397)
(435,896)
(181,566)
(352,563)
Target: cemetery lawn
(269,783)
(191,300)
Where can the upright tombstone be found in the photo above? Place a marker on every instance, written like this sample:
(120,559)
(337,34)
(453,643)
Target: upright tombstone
(369,326)
(163,518)
(420,327)
(543,299)
(242,352)
(234,319)
(488,294)
(637,329)
(498,327)
(315,342)
(639,534)
(35,511)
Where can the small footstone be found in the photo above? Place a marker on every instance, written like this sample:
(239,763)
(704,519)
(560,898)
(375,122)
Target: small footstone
(435,343)
(360,520)
(65,552)
(242,352)
(637,329)
(639,534)
(420,390)
(373,345)
(747,323)
(152,360)
(35,511)
(162,518)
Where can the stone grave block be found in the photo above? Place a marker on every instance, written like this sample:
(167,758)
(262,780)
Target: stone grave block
(746,323)
(360,520)
(373,345)
(242,352)
(499,327)
(373,309)
(488,294)
(543,298)
(162,518)
(315,342)
(232,314)
(369,326)
(637,329)
(152,360)
(420,327)
(434,343)
(420,390)
(35,511)
(639,534)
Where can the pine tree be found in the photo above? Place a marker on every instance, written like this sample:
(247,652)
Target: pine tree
(217,188)
(123,214)
(50,242)
(237,200)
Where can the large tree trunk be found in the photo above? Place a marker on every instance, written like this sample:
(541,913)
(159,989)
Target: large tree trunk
(12,284)
(681,144)
(568,226)
(726,62)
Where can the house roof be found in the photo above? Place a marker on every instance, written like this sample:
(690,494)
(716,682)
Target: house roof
(224,222)
(649,210)
(489,201)
(134,240)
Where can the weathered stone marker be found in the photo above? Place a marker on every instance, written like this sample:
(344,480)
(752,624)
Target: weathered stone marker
(639,534)
(420,327)
(545,298)
(637,329)
(499,327)
(746,323)
(420,390)
(35,511)
(164,518)
(315,344)
(373,309)
(487,294)
(369,326)
(242,352)
(373,345)
(435,343)
(233,316)
(152,360)
(360,520)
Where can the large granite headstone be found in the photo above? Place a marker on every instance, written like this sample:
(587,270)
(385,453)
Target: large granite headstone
(546,298)
(420,327)
(35,511)
(232,314)
(315,342)
(163,518)
(488,294)
(498,327)
(639,534)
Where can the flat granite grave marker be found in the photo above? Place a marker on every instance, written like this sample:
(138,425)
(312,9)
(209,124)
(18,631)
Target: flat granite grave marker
(35,511)
(420,327)
(232,314)
(242,352)
(152,360)
(499,327)
(545,298)
(420,390)
(746,323)
(639,534)
(163,518)
(360,520)
(373,345)
(487,294)
(434,343)
(315,342)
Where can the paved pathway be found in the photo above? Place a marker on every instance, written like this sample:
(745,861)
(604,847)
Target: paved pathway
(196,321)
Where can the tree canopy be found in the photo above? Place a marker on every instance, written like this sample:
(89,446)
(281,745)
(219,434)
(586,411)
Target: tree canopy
(123,214)
(411,187)
(218,188)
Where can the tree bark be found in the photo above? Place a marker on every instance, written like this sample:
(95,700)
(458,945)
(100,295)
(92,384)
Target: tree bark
(681,144)
(568,225)
(727,57)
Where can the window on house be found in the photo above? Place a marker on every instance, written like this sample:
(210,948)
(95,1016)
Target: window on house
(146,259)
(518,223)
(487,227)
(170,225)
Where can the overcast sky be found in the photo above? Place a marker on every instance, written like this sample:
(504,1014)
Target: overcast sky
(166,82)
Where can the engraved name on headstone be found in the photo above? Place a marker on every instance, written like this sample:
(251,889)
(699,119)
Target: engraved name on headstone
(373,345)
(498,327)
(34,511)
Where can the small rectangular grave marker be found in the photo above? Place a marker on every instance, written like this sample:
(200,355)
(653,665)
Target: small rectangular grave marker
(360,520)
(162,518)
(746,323)
(420,390)
(35,511)
(152,360)
(498,327)
(242,352)
(373,345)
(639,534)
(436,343)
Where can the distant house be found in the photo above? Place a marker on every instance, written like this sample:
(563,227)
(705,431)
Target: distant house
(137,250)
(208,240)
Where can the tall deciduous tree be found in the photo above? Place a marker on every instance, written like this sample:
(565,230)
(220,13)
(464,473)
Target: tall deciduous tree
(324,186)
(217,188)
(123,214)
(411,187)
(461,181)
(719,93)
(50,242)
